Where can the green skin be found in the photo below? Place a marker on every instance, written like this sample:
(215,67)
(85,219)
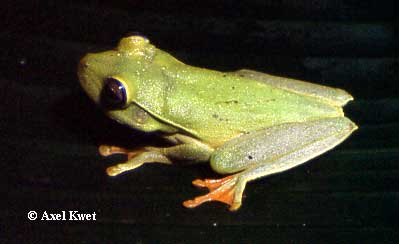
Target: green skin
(244,122)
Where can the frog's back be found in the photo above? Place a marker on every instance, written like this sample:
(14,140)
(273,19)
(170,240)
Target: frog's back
(217,106)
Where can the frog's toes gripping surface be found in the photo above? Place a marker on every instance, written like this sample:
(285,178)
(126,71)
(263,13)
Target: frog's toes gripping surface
(107,150)
(136,158)
(227,190)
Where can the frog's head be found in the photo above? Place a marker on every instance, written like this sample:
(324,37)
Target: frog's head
(108,77)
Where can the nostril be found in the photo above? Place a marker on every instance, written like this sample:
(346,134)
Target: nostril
(83,66)
(84,62)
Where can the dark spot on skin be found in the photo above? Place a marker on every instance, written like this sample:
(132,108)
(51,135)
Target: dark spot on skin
(216,116)
(224,75)
(233,87)
(231,102)
(228,102)
(250,157)
(241,75)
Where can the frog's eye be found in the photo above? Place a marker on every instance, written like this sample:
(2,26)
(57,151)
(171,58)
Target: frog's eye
(114,93)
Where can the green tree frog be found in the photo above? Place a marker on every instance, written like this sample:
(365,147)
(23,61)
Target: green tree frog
(246,124)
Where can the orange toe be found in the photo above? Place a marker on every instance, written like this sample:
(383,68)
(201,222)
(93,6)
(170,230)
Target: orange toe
(211,184)
(223,196)
(107,150)
(219,191)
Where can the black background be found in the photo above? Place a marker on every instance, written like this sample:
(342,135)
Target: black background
(50,130)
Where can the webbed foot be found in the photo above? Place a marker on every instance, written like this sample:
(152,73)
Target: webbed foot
(227,190)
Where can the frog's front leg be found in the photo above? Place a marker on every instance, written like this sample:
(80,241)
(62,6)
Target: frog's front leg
(266,152)
(186,148)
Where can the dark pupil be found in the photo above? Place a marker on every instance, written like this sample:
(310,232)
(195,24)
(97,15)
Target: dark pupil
(114,93)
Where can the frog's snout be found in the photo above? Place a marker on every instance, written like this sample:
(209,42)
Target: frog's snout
(83,64)
(87,78)
(82,70)
(86,70)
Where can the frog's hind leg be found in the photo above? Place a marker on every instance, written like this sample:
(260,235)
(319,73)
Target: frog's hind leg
(330,95)
(187,149)
(266,152)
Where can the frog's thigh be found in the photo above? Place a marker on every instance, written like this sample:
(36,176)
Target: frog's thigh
(281,147)
(188,149)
